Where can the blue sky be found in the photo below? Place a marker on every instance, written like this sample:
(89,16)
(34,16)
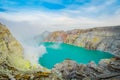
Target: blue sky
(29,18)
(107,7)
(41,15)
(49,4)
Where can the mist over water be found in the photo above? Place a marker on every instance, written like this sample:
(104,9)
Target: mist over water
(58,52)
(56,45)
(32,50)
(32,53)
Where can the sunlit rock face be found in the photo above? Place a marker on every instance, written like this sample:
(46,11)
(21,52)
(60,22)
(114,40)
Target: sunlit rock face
(105,39)
(12,64)
(11,52)
(12,61)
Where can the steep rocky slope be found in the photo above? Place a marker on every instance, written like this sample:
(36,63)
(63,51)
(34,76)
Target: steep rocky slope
(108,69)
(14,67)
(105,39)
(11,51)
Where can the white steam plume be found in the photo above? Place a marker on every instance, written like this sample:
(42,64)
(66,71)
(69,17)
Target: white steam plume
(33,53)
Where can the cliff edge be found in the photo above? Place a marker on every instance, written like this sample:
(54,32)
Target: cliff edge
(105,39)
(13,66)
(11,51)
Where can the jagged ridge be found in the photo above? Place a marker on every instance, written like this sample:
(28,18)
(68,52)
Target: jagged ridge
(105,38)
(12,61)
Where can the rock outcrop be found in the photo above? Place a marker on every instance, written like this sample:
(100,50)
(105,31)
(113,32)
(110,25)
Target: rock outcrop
(14,67)
(106,70)
(11,52)
(105,39)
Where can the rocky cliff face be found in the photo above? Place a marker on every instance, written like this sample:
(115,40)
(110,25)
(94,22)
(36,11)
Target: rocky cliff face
(105,39)
(11,51)
(14,67)
(12,64)
(108,69)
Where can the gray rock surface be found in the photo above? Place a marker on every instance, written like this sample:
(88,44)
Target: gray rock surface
(14,67)
(104,38)
(70,70)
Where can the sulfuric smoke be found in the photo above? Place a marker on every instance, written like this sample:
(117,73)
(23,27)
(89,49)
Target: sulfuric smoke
(33,53)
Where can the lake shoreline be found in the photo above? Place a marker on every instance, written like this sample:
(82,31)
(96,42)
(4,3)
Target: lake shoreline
(13,66)
(58,52)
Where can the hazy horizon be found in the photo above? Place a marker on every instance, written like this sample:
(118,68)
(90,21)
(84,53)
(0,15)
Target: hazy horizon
(29,18)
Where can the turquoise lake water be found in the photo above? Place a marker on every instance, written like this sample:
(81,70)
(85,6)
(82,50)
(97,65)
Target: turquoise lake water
(58,52)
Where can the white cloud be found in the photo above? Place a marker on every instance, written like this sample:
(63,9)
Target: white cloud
(54,20)
(109,2)
(99,8)
(22,24)
(36,22)
(26,24)
(46,19)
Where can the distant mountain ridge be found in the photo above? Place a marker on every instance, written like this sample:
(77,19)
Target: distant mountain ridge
(14,67)
(101,38)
